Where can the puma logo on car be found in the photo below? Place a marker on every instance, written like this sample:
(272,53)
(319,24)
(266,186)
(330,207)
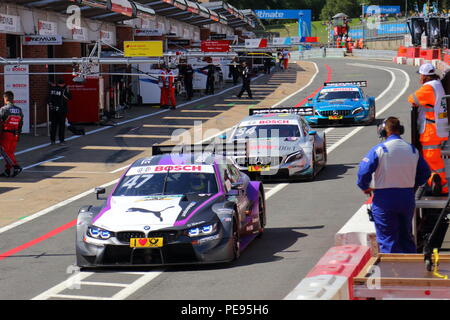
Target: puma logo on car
(156,213)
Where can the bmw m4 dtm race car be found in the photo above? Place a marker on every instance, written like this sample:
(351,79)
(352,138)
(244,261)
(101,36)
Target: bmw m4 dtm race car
(281,145)
(340,103)
(173,208)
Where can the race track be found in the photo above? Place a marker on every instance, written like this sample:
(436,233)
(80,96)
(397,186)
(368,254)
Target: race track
(37,257)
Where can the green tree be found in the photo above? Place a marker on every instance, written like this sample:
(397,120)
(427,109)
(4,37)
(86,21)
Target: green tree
(352,8)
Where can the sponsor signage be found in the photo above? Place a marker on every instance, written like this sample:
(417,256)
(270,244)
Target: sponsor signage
(47,28)
(381,9)
(9,23)
(255,43)
(34,40)
(281,41)
(107,37)
(147,32)
(280,14)
(180,43)
(143,49)
(171,168)
(80,34)
(121,6)
(215,46)
(17,81)
(218,36)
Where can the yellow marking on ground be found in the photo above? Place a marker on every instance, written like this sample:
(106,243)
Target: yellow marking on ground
(200,111)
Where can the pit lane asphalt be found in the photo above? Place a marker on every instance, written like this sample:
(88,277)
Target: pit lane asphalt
(302,220)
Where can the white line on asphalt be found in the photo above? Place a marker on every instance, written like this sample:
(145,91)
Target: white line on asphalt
(42,162)
(52,208)
(301,89)
(150,276)
(356,130)
(136,118)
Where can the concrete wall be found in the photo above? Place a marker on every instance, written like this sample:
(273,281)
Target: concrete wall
(384,44)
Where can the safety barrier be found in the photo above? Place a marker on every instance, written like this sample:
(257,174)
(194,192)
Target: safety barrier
(335,52)
(359,230)
(332,277)
(323,287)
(374,54)
(313,53)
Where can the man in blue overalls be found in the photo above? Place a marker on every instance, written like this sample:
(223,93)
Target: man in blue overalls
(392,170)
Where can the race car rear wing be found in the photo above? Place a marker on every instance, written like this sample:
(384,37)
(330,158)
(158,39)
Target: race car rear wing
(227,149)
(361,84)
(303,111)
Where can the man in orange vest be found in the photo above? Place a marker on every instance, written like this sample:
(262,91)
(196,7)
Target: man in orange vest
(433,125)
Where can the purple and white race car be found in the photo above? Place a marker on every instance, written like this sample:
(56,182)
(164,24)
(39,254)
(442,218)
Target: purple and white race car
(172,209)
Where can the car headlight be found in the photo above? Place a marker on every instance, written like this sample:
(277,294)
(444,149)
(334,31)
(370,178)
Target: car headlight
(358,110)
(295,156)
(98,233)
(204,230)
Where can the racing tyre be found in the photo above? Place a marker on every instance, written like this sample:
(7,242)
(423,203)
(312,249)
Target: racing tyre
(262,215)
(236,240)
(372,117)
(313,174)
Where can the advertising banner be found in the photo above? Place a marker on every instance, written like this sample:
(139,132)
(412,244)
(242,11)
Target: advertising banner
(303,16)
(80,34)
(147,32)
(256,43)
(47,28)
(215,46)
(83,107)
(374,9)
(143,48)
(42,40)
(9,23)
(17,81)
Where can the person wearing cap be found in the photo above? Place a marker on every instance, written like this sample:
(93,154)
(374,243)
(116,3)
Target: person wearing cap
(391,171)
(432,125)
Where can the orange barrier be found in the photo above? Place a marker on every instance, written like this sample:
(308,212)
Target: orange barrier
(402,52)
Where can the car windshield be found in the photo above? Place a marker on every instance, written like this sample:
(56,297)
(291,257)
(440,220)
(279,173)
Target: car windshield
(266,131)
(327,94)
(166,183)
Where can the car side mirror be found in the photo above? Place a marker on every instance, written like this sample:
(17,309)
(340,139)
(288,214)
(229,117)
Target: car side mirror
(99,191)
(312,132)
(310,99)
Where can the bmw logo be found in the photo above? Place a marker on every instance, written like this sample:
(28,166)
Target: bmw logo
(146,228)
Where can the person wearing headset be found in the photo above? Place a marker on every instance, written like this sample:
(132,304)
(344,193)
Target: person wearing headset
(392,170)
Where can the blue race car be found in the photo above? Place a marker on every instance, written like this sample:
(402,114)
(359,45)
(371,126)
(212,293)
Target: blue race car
(340,103)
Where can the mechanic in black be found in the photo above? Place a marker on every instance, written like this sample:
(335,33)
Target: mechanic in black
(187,73)
(234,70)
(245,74)
(58,98)
(267,64)
(211,68)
